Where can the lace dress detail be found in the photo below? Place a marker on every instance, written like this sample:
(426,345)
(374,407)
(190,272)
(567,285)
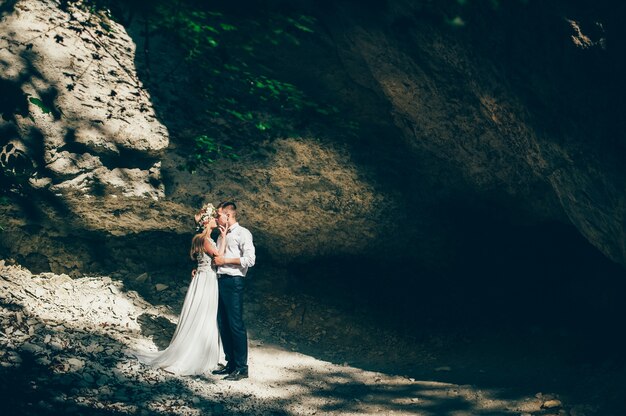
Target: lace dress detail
(204,262)
(195,345)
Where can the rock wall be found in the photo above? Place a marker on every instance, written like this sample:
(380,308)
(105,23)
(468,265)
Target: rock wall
(451,127)
(517,114)
(73,105)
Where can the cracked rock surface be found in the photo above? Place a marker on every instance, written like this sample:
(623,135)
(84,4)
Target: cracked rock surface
(73,104)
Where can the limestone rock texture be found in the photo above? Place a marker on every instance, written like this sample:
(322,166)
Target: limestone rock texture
(488,125)
(85,119)
(518,124)
(528,121)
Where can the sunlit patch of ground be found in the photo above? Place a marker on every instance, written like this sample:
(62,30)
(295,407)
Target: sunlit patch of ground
(65,342)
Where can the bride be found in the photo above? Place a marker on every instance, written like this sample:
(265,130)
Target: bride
(195,345)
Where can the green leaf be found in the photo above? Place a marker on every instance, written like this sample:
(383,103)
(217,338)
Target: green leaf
(300,26)
(456,22)
(227,28)
(40,104)
(262,126)
(236,114)
(303,28)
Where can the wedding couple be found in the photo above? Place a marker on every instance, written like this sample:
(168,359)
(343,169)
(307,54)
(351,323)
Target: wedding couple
(214,300)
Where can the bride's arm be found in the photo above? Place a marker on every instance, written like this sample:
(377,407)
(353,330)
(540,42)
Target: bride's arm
(222,248)
(210,249)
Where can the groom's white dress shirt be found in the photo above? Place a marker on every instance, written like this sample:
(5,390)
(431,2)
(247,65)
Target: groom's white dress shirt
(238,244)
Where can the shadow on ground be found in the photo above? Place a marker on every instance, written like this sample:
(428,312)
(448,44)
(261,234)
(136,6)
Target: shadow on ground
(541,313)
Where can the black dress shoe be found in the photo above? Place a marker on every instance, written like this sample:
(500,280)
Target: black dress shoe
(222,369)
(237,375)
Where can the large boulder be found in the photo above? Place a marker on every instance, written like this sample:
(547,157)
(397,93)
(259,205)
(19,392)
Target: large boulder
(72,103)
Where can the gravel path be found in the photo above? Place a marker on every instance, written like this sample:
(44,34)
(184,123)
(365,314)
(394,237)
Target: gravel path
(64,343)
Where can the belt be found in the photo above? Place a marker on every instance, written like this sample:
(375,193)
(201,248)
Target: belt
(226,276)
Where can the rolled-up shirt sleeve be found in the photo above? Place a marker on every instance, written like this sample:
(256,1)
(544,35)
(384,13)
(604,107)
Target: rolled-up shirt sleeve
(247,248)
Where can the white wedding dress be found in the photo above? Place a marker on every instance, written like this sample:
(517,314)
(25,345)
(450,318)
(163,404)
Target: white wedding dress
(195,345)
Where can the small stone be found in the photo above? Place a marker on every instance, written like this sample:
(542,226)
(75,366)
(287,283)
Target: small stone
(443,368)
(76,363)
(32,348)
(88,378)
(551,404)
(62,278)
(160,287)
(142,278)
(56,344)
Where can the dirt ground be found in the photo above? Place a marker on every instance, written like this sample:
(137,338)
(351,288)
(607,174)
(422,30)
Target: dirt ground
(65,350)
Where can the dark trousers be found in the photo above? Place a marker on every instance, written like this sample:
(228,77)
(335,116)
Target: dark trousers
(230,321)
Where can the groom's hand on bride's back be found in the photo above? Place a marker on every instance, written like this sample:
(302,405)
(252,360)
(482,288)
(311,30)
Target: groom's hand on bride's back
(218,260)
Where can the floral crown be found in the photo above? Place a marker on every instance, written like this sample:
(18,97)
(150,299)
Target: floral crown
(207,212)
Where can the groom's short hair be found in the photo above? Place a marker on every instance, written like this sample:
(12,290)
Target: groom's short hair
(227,205)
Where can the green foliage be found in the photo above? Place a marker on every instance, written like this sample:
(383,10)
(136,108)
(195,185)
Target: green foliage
(44,108)
(227,54)
(229,57)
(206,151)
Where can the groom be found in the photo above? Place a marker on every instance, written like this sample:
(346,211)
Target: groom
(232,268)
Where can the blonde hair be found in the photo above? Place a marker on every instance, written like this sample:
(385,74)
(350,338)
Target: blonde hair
(197,245)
